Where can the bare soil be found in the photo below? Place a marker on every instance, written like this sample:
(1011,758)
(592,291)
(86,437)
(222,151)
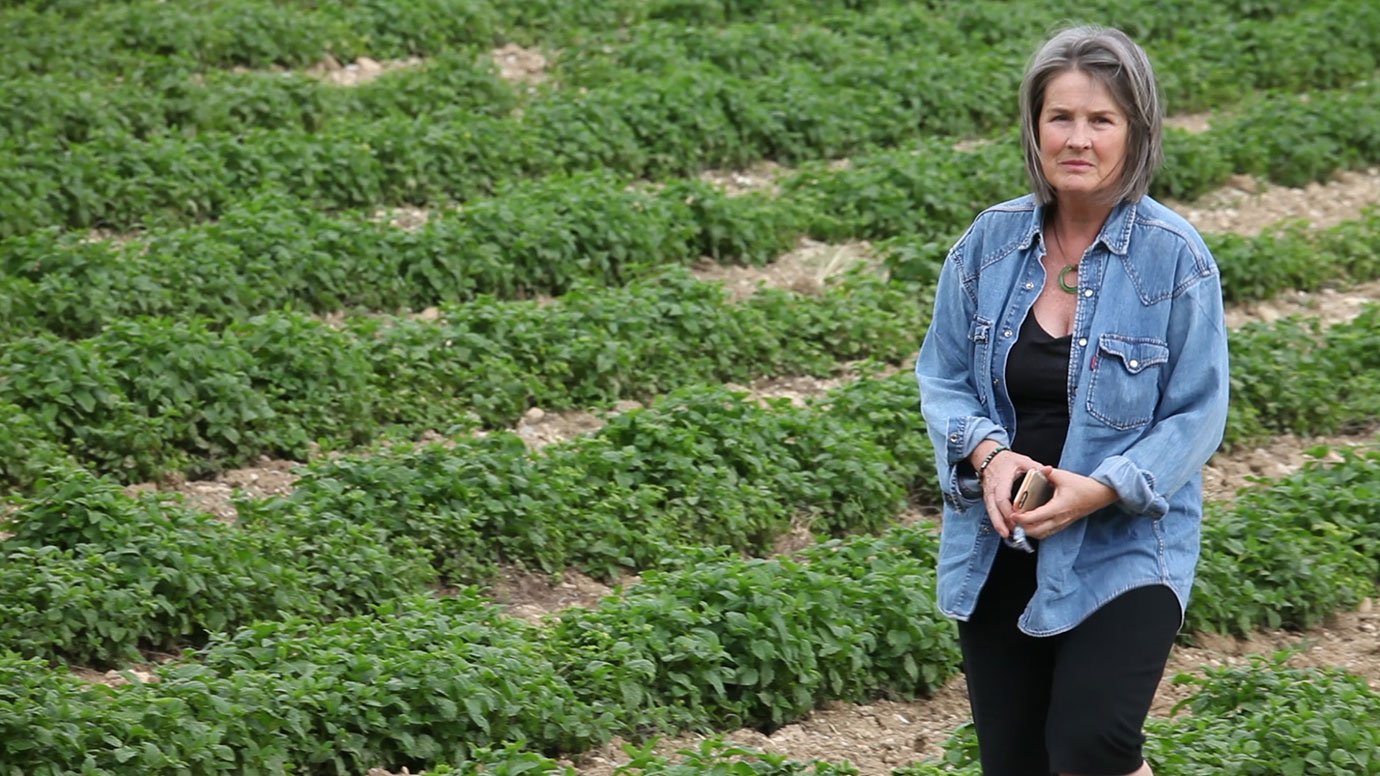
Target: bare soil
(1228,472)
(270,477)
(805,269)
(1330,305)
(1190,122)
(520,65)
(1248,206)
(759,177)
(361,71)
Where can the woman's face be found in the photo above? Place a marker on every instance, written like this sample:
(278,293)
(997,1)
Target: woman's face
(1082,136)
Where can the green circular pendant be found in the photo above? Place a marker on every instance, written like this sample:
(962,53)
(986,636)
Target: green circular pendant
(1063,283)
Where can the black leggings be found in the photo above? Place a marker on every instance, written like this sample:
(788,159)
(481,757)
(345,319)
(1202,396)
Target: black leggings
(1072,703)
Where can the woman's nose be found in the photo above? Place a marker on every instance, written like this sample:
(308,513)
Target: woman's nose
(1079,137)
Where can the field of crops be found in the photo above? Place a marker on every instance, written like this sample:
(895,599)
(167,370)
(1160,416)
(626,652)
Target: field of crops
(523,386)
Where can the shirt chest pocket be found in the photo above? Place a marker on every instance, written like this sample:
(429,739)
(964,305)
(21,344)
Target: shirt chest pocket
(1125,379)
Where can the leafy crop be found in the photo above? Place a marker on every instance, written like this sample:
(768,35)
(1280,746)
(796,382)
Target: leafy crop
(92,574)
(1290,552)
(151,396)
(1260,718)
(645,124)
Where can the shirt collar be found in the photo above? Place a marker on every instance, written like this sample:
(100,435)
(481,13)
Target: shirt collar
(1115,234)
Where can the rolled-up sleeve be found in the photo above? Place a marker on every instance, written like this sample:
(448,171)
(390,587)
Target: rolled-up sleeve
(954,413)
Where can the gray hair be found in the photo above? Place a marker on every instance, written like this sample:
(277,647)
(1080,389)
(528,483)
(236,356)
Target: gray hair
(1111,57)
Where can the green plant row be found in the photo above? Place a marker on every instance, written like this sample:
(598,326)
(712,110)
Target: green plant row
(1297,376)
(1290,552)
(651,125)
(120,37)
(1207,56)
(422,681)
(91,574)
(537,239)
(709,639)
(149,397)
(99,40)
(705,467)
(163,97)
(154,396)
(545,237)
(1263,718)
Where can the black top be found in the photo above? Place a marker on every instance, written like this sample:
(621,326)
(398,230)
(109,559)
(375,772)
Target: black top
(1037,375)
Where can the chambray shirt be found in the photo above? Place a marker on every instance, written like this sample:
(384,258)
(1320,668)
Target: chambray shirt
(1147,386)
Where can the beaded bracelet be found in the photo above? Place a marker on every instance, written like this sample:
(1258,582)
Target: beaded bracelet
(982,467)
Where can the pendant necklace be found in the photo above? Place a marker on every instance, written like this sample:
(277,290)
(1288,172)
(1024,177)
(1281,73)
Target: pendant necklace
(1063,273)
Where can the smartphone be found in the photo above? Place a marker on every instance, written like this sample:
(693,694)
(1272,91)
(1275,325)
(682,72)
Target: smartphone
(1034,491)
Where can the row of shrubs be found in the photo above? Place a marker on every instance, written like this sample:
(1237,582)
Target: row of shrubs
(543,238)
(653,126)
(1209,63)
(701,466)
(708,640)
(153,396)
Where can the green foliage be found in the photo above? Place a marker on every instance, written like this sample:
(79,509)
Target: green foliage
(1295,376)
(423,680)
(1289,553)
(714,757)
(153,396)
(1266,718)
(91,573)
(1259,718)
(758,642)
(698,466)
(687,113)
(113,572)
(25,450)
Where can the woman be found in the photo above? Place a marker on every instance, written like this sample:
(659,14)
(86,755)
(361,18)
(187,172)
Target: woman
(1079,331)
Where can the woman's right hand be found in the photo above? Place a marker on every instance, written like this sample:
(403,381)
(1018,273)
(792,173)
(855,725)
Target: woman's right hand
(999,482)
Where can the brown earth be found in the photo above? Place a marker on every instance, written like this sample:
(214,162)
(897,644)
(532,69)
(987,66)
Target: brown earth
(520,65)
(1248,206)
(361,71)
(803,270)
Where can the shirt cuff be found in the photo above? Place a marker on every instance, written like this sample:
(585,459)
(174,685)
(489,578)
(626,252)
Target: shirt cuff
(1135,487)
(964,435)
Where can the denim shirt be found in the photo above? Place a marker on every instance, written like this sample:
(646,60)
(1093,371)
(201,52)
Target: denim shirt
(1147,387)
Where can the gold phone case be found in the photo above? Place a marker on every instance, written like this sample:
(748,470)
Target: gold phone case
(1034,491)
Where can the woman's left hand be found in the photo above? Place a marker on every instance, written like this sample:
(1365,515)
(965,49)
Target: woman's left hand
(1074,498)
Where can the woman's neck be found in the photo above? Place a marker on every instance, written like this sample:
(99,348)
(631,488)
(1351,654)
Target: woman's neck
(1080,219)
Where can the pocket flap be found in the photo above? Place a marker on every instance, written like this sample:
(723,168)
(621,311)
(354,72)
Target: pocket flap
(1135,353)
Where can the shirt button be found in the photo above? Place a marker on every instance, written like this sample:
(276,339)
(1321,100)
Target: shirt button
(1082,342)
(1133,363)
(996,380)
(1006,333)
(1029,286)
(1087,292)
(954,437)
